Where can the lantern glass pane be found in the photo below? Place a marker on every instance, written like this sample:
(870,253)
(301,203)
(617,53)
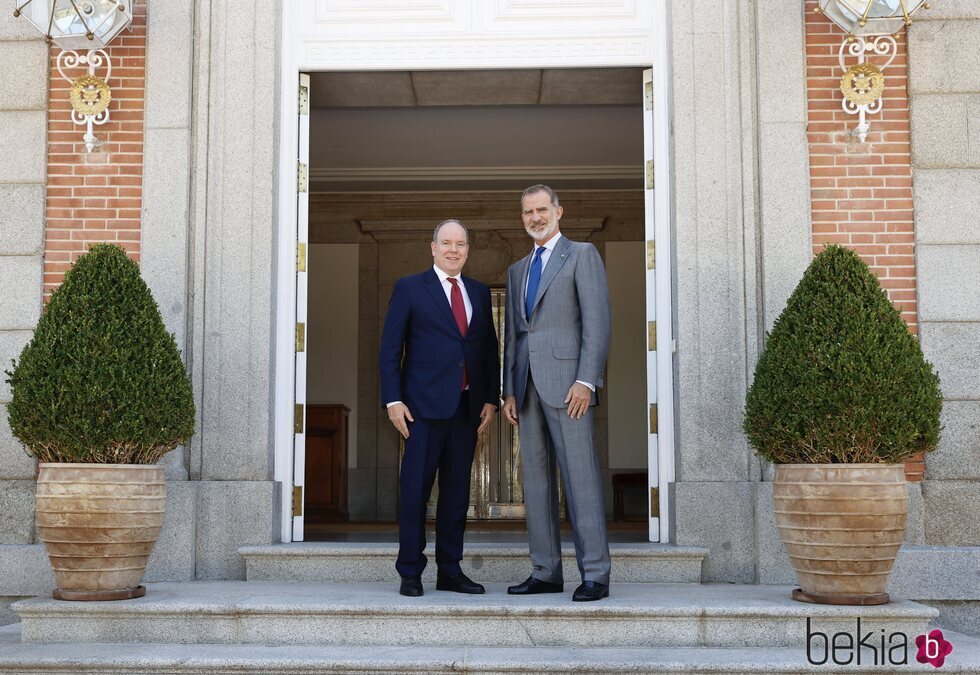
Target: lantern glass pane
(879,9)
(885,8)
(98,16)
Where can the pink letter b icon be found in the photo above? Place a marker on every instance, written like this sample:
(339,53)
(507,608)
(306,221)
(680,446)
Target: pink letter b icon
(932,647)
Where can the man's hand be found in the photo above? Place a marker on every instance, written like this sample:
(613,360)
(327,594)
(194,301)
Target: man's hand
(578,399)
(510,410)
(398,414)
(486,416)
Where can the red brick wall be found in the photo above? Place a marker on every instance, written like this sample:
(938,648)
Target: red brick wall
(98,197)
(861,193)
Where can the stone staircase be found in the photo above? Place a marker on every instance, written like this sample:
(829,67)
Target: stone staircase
(501,562)
(322,608)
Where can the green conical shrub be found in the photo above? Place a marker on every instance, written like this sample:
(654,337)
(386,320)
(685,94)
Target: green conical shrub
(841,379)
(101,380)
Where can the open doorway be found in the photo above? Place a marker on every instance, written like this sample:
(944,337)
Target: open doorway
(394,153)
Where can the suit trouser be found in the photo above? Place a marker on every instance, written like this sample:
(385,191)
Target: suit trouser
(548,434)
(446,445)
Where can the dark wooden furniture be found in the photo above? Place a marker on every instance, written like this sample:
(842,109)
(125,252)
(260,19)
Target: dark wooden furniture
(621,481)
(326,463)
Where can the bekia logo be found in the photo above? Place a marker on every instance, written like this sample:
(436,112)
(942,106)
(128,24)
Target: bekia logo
(933,648)
(876,648)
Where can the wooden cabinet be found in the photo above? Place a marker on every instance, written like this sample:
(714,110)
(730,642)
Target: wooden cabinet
(326,463)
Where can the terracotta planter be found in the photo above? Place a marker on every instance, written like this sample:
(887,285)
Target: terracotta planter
(842,525)
(98,523)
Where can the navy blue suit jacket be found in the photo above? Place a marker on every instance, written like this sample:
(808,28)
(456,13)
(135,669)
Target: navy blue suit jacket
(423,352)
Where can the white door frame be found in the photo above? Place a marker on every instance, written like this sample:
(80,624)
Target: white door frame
(616,40)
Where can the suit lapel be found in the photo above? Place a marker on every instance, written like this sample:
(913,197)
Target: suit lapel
(439,297)
(555,262)
(475,303)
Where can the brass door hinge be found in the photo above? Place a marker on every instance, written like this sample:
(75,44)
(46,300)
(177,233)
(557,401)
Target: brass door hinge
(304,100)
(301,256)
(648,95)
(653,418)
(298,419)
(649,174)
(297,500)
(651,255)
(302,177)
(654,502)
(652,336)
(300,336)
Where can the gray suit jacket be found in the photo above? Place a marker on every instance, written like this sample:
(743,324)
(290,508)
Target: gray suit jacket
(567,338)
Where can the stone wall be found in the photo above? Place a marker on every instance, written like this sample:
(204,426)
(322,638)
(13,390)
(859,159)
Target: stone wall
(938,562)
(230,499)
(742,240)
(209,199)
(944,87)
(23,106)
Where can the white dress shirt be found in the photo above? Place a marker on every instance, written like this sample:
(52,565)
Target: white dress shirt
(549,247)
(448,288)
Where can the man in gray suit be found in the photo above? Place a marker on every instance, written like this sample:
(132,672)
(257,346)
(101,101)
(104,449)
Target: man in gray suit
(557,339)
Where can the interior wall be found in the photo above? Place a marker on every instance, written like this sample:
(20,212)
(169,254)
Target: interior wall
(331,332)
(626,376)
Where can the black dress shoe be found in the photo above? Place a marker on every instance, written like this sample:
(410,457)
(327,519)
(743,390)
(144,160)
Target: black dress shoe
(458,583)
(531,586)
(590,590)
(412,587)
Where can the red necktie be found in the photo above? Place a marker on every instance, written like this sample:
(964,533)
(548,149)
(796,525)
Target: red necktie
(459,312)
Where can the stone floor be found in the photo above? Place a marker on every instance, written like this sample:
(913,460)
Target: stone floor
(237,626)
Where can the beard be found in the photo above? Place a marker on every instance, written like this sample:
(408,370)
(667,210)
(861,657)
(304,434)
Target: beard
(542,234)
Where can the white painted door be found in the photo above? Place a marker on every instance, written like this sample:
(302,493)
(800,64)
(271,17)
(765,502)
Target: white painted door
(658,308)
(302,245)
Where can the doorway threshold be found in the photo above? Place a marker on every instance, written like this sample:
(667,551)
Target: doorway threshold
(338,561)
(488,532)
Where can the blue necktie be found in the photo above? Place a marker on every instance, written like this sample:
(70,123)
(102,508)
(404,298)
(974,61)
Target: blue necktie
(533,280)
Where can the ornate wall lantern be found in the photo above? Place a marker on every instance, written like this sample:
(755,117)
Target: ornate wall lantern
(870,17)
(871,26)
(82,29)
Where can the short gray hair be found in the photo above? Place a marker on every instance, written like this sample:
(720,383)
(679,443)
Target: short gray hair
(435,232)
(534,189)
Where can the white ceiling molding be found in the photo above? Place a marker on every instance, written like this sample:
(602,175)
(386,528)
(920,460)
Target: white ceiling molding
(565,86)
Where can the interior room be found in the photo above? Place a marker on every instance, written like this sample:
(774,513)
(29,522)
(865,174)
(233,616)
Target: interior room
(394,153)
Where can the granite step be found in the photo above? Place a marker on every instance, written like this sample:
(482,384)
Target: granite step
(365,614)
(495,562)
(113,658)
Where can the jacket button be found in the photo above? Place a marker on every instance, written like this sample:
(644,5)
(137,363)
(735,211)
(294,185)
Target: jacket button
(460,364)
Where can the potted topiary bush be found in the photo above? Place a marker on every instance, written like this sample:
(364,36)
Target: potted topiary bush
(841,397)
(99,395)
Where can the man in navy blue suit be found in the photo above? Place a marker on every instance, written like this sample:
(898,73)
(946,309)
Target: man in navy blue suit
(440,382)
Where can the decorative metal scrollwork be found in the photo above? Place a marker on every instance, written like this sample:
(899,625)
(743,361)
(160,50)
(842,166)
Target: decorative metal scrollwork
(89,93)
(863,83)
